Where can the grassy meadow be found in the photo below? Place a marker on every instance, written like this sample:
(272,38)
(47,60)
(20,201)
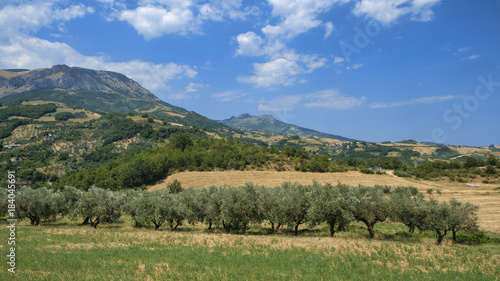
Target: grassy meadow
(64,250)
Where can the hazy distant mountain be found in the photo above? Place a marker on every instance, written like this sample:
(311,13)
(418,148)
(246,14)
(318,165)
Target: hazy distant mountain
(270,124)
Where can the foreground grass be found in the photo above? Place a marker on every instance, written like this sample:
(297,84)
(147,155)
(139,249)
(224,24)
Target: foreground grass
(65,251)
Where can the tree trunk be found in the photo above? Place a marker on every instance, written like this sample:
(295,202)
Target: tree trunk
(171,223)
(157,226)
(440,236)
(411,228)
(278,227)
(95,223)
(209,225)
(177,223)
(297,229)
(332,229)
(227,227)
(454,235)
(86,221)
(244,228)
(272,227)
(371,231)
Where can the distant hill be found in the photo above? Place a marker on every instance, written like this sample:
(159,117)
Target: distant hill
(95,90)
(268,123)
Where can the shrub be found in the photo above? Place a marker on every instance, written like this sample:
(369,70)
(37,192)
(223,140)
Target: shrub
(367,171)
(63,116)
(475,238)
(402,174)
(490,170)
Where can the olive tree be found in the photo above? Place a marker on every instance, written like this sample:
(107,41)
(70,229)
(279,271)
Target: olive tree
(438,218)
(408,207)
(151,207)
(294,204)
(212,208)
(4,201)
(177,210)
(331,204)
(371,207)
(98,204)
(38,204)
(240,206)
(463,217)
(271,207)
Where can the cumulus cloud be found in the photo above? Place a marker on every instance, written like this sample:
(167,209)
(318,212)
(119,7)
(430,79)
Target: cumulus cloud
(423,100)
(388,11)
(280,71)
(153,21)
(250,44)
(331,99)
(30,18)
(155,18)
(295,17)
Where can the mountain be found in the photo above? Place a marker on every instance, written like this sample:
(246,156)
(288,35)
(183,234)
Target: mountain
(268,123)
(72,78)
(95,90)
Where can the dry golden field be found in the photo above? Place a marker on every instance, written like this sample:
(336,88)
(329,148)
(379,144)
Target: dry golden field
(485,196)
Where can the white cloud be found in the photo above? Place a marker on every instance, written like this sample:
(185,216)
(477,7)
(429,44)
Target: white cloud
(153,21)
(280,71)
(423,100)
(155,18)
(30,18)
(338,60)
(295,17)
(388,11)
(193,87)
(465,49)
(473,57)
(328,29)
(250,44)
(281,104)
(330,99)
(228,96)
(357,65)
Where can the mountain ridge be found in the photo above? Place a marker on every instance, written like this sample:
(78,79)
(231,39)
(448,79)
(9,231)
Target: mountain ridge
(269,123)
(72,78)
(95,90)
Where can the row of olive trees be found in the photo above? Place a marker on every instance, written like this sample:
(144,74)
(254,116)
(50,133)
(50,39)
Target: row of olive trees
(232,208)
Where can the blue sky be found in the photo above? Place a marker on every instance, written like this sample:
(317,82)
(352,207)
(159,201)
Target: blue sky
(375,70)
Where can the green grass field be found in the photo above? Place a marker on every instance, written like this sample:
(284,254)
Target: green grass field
(63,250)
